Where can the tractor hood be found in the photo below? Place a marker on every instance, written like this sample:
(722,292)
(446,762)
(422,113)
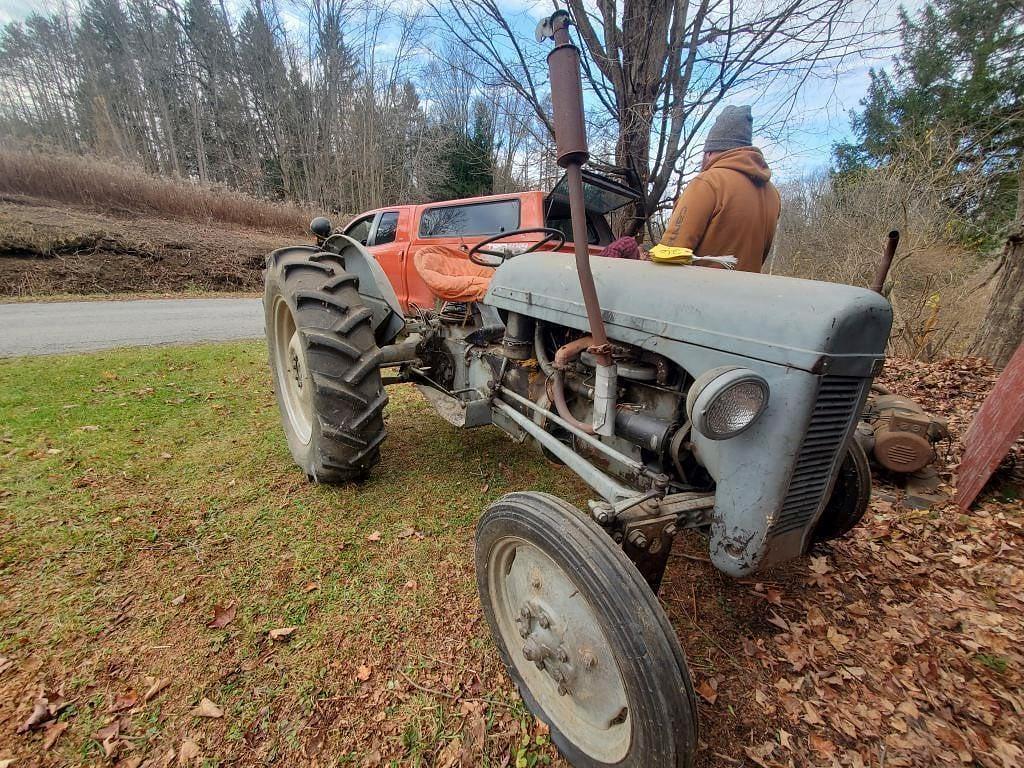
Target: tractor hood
(812,326)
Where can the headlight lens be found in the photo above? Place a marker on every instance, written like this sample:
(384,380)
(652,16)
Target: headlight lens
(723,402)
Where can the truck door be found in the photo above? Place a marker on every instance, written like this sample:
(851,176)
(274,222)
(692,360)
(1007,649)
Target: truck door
(389,244)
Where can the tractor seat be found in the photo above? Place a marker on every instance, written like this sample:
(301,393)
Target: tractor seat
(450,275)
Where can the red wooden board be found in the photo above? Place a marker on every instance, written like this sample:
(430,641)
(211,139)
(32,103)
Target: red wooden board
(996,426)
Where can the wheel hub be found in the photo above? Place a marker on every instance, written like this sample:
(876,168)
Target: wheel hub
(290,363)
(545,646)
(555,637)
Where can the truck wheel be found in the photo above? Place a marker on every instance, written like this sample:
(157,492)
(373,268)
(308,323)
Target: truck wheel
(850,497)
(583,636)
(323,359)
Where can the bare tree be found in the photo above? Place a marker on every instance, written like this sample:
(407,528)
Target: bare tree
(658,68)
(1002,331)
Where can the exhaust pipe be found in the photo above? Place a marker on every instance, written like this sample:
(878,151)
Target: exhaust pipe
(572,153)
(885,263)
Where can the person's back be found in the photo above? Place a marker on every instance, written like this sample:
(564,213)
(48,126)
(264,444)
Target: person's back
(731,208)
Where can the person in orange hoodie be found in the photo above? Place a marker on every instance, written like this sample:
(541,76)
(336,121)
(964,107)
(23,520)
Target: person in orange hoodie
(731,207)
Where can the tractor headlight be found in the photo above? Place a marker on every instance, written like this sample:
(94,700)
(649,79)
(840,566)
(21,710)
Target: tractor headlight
(725,401)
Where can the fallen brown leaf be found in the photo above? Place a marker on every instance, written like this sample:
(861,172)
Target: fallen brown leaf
(40,714)
(156,685)
(375,536)
(179,600)
(207,708)
(222,616)
(53,732)
(125,701)
(363,673)
(311,586)
(708,690)
(188,752)
(281,634)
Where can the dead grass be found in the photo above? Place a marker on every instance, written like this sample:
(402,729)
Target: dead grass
(47,249)
(121,188)
(131,479)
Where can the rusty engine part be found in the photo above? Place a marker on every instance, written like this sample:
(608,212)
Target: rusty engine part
(898,434)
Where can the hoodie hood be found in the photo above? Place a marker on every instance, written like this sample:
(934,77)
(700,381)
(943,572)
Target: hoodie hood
(747,160)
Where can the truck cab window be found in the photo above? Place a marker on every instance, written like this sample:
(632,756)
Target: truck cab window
(387,228)
(474,219)
(359,230)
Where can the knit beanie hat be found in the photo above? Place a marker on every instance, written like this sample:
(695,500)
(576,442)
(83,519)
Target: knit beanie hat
(733,128)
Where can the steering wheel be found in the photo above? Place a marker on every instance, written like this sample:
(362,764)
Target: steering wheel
(550,235)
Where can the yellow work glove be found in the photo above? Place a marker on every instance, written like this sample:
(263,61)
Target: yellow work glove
(668,254)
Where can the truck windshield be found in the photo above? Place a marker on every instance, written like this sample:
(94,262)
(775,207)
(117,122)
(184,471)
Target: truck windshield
(471,219)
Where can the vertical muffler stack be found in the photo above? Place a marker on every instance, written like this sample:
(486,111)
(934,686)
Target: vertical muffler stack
(572,151)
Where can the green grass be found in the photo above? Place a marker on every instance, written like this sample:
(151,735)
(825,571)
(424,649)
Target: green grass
(128,478)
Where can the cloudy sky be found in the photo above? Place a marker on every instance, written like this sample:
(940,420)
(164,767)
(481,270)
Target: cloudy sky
(817,121)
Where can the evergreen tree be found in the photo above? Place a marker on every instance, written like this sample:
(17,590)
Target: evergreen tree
(468,157)
(959,70)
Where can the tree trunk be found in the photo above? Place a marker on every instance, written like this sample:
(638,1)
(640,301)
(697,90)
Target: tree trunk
(1003,328)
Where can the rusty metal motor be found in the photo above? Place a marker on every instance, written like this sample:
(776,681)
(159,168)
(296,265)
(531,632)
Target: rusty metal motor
(898,433)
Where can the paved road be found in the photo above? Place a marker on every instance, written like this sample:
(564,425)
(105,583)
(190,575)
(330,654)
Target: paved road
(79,326)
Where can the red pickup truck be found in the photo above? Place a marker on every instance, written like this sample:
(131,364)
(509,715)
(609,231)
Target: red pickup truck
(394,234)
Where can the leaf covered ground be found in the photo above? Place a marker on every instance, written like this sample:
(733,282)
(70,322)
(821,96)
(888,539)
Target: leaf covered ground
(173,592)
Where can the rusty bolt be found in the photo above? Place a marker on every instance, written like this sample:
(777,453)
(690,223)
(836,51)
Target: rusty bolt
(637,539)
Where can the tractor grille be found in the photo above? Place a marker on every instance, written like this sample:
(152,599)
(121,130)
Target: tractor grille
(838,398)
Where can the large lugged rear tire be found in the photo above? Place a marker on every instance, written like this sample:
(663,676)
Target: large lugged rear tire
(323,359)
(583,637)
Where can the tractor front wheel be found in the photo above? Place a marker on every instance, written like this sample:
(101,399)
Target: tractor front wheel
(323,359)
(583,636)
(850,496)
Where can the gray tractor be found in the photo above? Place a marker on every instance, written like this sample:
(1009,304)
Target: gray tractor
(686,398)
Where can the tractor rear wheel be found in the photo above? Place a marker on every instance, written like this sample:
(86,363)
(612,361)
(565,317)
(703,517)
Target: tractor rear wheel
(583,636)
(850,496)
(323,359)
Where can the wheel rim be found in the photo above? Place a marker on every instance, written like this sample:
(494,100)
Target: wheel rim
(556,642)
(295,383)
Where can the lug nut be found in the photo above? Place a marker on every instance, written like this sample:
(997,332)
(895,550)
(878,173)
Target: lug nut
(588,659)
(563,656)
(562,690)
(536,583)
(531,651)
(543,621)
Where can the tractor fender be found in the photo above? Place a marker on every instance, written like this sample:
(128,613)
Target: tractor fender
(374,286)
